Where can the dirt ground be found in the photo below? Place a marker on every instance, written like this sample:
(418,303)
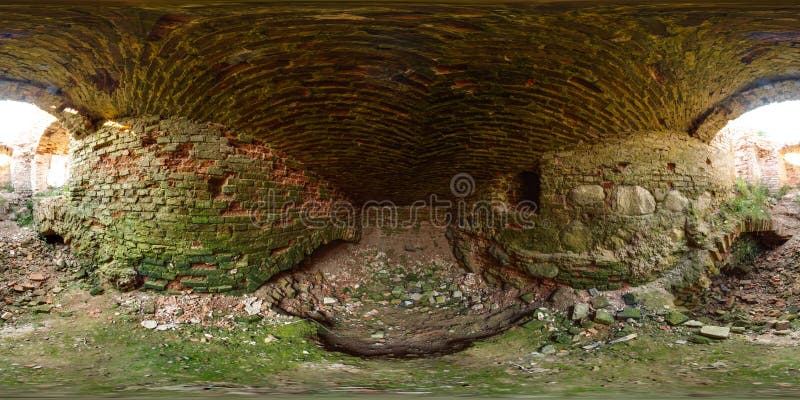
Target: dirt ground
(767,289)
(60,336)
(395,294)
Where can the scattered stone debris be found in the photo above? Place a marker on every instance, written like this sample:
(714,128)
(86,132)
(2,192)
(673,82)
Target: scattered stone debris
(580,311)
(630,313)
(269,339)
(376,299)
(781,325)
(604,317)
(624,339)
(33,272)
(715,332)
(693,324)
(548,349)
(149,324)
(763,293)
(676,318)
(600,301)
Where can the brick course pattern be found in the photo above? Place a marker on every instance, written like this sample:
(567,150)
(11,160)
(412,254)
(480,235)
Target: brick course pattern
(761,161)
(174,201)
(391,100)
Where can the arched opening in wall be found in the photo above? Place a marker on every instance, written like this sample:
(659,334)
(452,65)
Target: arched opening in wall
(765,145)
(52,238)
(23,125)
(50,168)
(762,142)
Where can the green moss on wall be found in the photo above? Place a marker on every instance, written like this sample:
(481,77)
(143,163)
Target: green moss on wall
(190,208)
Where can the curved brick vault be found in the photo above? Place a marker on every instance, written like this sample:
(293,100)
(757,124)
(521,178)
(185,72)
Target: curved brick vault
(389,101)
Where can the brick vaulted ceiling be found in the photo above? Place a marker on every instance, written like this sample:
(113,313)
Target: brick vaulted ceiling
(388,100)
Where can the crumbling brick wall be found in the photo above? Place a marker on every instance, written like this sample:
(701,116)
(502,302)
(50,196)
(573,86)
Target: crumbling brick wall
(54,143)
(619,212)
(21,162)
(183,205)
(5,167)
(759,160)
(792,171)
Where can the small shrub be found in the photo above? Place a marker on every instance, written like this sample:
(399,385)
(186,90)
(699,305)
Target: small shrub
(752,202)
(743,256)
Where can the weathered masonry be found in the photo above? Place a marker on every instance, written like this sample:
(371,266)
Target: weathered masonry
(184,121)
(620,212)
(188,206)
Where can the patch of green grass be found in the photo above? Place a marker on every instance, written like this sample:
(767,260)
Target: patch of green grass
(25,216)
(53,192)
(121,353)
(84,355)
(751,202)
(237,356)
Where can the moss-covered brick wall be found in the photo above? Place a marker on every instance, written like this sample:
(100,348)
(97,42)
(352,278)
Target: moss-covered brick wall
(619,212)
(184,205)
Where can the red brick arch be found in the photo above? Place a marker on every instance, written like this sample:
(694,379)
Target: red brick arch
(391,101)
(707,127)
(49,100)
(32,172)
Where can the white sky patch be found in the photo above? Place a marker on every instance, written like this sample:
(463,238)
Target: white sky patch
(792,158)
(780,122)
(22,123)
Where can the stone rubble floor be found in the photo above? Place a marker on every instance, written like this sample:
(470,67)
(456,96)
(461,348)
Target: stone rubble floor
(770,291)
(765,299)
(58,339)
(374,303)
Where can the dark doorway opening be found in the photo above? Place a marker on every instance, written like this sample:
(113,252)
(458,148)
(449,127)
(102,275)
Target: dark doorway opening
(530,188)
(52,238)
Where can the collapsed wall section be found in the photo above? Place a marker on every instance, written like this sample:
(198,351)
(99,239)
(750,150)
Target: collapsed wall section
(182,205)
